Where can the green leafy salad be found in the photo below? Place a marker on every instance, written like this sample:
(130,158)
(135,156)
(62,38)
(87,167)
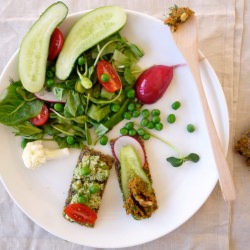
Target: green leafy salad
(78,109)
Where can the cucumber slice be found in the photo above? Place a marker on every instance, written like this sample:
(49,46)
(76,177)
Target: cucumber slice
(89,30)
(33,53)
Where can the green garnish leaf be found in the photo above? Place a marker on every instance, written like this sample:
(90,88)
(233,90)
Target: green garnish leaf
(175,162)
(192,157)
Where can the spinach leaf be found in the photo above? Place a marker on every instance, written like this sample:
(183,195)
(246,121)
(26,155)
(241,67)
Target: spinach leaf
(18,105)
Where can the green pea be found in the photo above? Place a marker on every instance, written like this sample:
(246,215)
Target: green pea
(50,74)
(146,136)
(105,77)
(144,122)
(58,107)
(138,105)
(156,119)
(190,128)
(129,125)
(123,131)
(50,82)
(104,140)
(115,107)
(141,131)
(70,139)
(94,188)
(132,132)
(131,106)
(85,171)
(159,126)
(136,113)
(81,60)
(130,93)
(155,112)
(176,105)
(82,199)
(127,115)
(171,118)
(145,113)
(150,125)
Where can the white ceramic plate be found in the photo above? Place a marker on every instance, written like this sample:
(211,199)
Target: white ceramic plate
(180,191)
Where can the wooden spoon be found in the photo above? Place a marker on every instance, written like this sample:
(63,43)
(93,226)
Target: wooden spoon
(187,41)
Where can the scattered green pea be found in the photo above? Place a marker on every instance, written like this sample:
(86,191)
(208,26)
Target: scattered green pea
(144,122)
(115,107)
(131,106)
(156,119)
(129,125)
(171,118)
(176,105)
(49,74)
(141,131)
(93,189)
(123,131)
(130,93)
(146,136)
(150,125)
(81,60)
(58,107)
(50,82)
(85,171)
(136,113)
(159,126)
(132,132)
(104,140)
(190,128)
(127,115)
(145,113)
(82,199)
(70,139)
(155,112)
(105,77)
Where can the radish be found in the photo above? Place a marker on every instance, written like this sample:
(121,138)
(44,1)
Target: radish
(48,96)
(128,140)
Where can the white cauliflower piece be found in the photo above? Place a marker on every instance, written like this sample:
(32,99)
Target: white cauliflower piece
(35,154)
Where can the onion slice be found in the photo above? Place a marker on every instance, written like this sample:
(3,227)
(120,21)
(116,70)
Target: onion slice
(128,140)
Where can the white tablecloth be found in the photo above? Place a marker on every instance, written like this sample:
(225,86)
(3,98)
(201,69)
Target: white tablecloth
(224,38)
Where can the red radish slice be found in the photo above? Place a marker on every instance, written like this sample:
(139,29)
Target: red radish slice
(48,96)
(128,140)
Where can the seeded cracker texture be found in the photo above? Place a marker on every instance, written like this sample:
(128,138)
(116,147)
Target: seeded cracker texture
(108,160)
(145,202)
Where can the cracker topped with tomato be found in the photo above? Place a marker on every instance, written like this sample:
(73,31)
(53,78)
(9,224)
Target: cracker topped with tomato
(90,177)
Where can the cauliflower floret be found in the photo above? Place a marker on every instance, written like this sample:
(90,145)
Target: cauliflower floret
(35,154)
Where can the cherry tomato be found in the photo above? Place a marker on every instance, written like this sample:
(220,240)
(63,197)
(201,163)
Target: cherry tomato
(81,213)
(108,77)
(56,43)
(42,117)
(152,83)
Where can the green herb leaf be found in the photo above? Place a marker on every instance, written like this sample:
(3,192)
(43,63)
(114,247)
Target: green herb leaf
(192,157)
(175,162)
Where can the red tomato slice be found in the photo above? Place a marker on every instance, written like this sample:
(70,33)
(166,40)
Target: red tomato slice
(81,213)
(42,117)
(114,83)
(56,43)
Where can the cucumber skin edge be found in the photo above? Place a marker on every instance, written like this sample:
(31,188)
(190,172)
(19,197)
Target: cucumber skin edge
(31,88)
(70,62)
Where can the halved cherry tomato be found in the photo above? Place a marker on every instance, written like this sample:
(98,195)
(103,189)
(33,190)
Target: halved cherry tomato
(56,43)
(112,82)
(81,213)
(42,117)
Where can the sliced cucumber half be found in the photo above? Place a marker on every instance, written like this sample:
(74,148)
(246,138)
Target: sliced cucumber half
(33,53)
(89,30)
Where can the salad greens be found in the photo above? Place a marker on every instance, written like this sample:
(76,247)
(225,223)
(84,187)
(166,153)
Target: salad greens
(87,105)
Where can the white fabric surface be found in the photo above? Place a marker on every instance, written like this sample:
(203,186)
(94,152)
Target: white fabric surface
(224,39)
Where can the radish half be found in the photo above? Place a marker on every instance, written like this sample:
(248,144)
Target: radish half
(128,140)
(48,96)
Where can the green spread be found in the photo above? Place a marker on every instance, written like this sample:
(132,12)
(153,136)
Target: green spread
(89,178)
